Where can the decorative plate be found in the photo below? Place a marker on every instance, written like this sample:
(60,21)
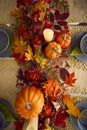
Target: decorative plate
(7,52)
(77,39)
(82,105)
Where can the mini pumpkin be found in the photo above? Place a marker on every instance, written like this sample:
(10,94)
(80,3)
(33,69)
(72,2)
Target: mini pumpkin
(29,102)
(64,39)
(53,50)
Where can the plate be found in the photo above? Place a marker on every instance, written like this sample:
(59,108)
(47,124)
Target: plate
(6,53)
(82,105)
(77,39)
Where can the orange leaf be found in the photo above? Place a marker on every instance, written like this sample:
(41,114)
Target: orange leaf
(70,80)
(69,102)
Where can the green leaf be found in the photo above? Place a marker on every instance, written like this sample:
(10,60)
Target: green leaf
(76,51)
(9,116)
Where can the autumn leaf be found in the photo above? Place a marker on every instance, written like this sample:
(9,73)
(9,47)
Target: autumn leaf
(19,46)
(28,53)
(18,12)
(70,80)
(72,109)
(40,59)
(60,118)
(40,9)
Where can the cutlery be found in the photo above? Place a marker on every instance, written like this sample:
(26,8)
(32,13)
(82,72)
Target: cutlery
(77,23)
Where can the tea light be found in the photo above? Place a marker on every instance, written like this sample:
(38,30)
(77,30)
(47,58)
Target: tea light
(48,35)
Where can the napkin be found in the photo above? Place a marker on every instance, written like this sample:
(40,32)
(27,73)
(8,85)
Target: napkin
(76,51)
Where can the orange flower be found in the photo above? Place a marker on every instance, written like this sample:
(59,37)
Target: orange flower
(53,89)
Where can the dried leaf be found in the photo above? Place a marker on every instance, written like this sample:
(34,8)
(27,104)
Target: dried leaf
(63,73)
(39,9)
(70,80)
(57,14)
(64,16)
(51,15)
(61,22)
(57,27)
(40,59)
(60,118)
(47,25)
(28,53)
(69,102)
(19,46)
(18,12)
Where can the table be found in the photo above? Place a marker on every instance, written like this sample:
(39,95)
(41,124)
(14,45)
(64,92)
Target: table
(9,67)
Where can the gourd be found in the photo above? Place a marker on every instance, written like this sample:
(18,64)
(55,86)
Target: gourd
(53,50)
(31,124)
(64,39)
(29,102)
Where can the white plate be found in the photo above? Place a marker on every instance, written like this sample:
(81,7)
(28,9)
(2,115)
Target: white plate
(76,40)
(82,105)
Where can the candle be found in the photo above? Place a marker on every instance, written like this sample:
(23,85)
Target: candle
(48,35)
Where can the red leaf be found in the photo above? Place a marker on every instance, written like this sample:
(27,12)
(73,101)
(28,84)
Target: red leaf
(47,25)
(60,118)
(70,80)
(19,124)
(20,60)
(64,16)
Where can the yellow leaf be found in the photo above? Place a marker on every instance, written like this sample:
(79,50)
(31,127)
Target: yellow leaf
(18,12)
(28,53)
(40,59)
(20,46)
(69,102)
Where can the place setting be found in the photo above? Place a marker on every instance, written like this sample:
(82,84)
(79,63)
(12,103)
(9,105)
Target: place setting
(6,35)
(81,122)
(79,46)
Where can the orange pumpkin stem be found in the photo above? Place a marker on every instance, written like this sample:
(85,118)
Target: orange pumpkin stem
(28,105)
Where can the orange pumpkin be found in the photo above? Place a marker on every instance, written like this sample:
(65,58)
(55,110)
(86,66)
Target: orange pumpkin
(64,39)
(53,50)
(29,102)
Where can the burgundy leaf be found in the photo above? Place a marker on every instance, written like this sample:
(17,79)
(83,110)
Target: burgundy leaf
(57,14)
(62,23)
(63,73)
(47,25)
(60,118)
(64,16)
(57,27)
(51,17)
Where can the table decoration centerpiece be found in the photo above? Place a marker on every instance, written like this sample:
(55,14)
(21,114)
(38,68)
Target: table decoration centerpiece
(42,66)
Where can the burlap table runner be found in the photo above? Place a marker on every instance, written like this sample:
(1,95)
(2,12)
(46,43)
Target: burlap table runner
(9,67)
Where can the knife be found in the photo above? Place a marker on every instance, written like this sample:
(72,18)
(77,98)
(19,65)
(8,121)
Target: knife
(77,23)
